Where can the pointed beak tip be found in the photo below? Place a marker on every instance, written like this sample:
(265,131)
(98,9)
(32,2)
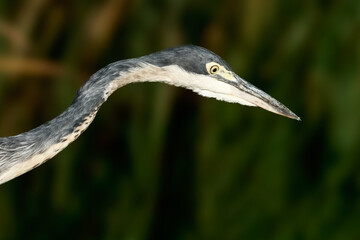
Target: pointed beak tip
(261,99)
(297,118)
(294,116)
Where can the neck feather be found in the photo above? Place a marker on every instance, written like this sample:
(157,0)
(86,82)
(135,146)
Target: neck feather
(23,152)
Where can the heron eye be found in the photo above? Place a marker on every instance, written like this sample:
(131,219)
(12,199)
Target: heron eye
(214,69)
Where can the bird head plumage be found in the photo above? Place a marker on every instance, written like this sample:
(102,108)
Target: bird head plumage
(206,73)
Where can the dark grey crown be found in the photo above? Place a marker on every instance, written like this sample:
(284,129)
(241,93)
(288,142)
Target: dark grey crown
(191,58)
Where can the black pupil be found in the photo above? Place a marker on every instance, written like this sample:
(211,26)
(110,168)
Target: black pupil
(214,70)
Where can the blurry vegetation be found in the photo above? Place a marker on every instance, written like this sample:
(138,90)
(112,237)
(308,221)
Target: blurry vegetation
(163,163)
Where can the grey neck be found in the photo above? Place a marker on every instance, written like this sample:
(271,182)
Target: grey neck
(23,152)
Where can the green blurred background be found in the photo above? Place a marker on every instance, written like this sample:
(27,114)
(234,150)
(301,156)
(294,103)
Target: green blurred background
(161,162)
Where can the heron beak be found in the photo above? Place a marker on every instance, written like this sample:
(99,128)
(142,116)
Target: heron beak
(255,96)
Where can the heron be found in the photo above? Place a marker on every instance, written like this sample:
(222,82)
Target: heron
(190,66)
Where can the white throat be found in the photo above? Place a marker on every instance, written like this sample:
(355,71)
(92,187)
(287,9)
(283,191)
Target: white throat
(204,85)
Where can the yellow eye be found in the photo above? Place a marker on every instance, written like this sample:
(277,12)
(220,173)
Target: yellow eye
(214,69)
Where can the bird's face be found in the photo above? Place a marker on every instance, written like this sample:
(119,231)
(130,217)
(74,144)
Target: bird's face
(229,87)
(207,74)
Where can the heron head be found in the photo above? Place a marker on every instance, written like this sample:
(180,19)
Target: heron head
(204,72)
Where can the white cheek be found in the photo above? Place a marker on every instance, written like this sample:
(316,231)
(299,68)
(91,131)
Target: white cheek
(230,96)
(206,86)
(203,85)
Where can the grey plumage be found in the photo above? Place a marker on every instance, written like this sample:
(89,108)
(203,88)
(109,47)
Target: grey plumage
(23,152)
(190,58)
